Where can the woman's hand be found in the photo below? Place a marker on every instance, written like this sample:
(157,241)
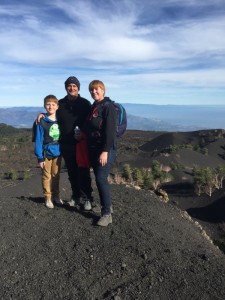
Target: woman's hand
(103,158)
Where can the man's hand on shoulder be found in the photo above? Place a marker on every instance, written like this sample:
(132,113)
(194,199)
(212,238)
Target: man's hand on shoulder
(39,117)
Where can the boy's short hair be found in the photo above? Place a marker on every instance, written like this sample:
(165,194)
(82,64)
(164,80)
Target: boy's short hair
(95,84)
(51,98)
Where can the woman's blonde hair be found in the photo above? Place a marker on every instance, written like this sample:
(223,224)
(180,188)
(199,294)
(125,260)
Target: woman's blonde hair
(95,84)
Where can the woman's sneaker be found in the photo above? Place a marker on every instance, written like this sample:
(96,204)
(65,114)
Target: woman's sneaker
(73,202)
(49,204)
(105,220)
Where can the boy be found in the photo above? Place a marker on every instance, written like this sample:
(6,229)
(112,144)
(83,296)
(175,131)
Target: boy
(47,151)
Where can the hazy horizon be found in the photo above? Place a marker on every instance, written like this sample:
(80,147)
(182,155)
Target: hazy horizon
(127,103)
(140,116)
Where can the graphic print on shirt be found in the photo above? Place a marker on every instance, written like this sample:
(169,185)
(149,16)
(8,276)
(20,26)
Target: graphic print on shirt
(54,132)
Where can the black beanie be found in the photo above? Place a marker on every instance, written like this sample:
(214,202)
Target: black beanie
(74,80)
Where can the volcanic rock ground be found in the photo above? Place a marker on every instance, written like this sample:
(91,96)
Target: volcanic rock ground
(151,251)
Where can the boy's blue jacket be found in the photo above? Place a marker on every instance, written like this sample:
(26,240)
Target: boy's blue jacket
(47,139)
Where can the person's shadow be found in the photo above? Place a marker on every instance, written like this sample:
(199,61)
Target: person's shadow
(39,200)
(78,209)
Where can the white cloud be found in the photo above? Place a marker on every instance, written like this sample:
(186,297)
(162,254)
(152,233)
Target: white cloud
(166,44)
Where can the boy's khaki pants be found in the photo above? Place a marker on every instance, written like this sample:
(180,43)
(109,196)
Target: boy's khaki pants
(50,178)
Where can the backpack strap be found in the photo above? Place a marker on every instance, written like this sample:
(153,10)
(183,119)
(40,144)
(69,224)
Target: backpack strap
(104,105)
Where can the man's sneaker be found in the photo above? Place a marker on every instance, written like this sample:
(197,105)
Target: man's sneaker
(58,201)
(71,203)
(87,205)
(111,209)
(49,204)
(105,220)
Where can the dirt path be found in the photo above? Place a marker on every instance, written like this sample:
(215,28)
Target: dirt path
(150,252)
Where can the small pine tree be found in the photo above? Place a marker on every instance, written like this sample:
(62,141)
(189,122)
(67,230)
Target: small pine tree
(220,172)
(13,175)
(148,180)
(199,180)
(210,181)
(138,176)
(157,174)
(127,172)
(26,175)
(204,180)
(204,151)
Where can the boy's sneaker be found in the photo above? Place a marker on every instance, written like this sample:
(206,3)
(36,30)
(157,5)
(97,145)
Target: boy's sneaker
(49,204)
(105,220)
(87,205)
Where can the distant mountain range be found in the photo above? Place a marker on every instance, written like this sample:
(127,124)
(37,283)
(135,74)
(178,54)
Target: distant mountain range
(140,117)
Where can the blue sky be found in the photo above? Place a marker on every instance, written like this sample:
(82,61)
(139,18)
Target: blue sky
(145,51)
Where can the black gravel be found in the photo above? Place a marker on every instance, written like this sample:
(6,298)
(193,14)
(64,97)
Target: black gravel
(151,251)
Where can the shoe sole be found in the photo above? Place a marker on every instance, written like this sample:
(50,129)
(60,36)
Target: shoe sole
(87,208)
(104,225)
(49,206)
(67,203)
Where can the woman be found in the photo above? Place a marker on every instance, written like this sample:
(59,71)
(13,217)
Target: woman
(101,136)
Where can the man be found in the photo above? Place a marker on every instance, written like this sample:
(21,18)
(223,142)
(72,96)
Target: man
(72,112)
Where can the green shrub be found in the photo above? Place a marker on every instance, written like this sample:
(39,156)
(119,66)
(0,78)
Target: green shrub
(26,174)
(127,172)
(204,151)
(138,176)
(13,175)
(176,166)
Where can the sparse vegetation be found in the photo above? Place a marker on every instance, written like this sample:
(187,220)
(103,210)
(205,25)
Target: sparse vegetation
(16,153)
(177,166)
(147,178)
(207,179)
(127,172)
(26,174)
(172,149)
(13,175)
(138,177)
